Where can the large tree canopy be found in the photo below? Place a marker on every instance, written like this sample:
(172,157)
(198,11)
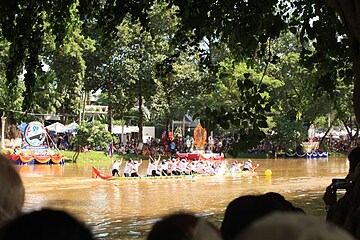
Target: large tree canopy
(328,32)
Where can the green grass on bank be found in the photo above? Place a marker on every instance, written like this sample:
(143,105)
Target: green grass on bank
(98,156)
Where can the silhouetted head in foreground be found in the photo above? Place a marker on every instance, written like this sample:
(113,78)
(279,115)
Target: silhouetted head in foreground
(183,226)
(12,192)
(243,211)
(354,159)
(46,224)
(294,226)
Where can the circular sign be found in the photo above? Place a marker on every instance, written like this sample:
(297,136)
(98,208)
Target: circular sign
(34,134)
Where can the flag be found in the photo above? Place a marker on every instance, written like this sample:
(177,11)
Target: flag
(111,150)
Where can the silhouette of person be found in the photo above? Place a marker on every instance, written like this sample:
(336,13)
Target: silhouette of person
(46,224)
(183,226)
(244,210)
(12,192)
(345,211)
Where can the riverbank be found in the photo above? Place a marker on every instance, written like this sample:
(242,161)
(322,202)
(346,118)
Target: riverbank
(98,156)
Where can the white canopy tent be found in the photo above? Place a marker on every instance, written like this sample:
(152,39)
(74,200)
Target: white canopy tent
(56,127)
(118,129)
(61,128)
(72,126)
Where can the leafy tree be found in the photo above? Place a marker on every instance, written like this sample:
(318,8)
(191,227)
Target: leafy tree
(24,25)
(106,72)
(240,103)
(328,32)
(91,134)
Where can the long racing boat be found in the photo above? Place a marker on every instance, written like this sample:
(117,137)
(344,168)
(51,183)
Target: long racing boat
(97,174)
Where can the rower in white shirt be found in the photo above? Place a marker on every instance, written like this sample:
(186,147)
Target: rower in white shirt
(135,169)
(173,167)
(152,167)
(200,167)
(163,168)
(183,167)
(115,168)
(192,166)
(128,167)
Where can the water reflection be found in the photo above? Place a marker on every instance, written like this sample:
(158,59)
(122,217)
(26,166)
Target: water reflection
(127,209)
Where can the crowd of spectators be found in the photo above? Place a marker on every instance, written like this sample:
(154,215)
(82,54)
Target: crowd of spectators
(160,146)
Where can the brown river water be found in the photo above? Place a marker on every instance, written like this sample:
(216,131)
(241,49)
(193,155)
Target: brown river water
(127,209)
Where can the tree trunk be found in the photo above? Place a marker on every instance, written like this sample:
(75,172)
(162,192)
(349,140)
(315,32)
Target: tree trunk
(141,117)
(110,115)
(76,154)
(62,112)
(326,133)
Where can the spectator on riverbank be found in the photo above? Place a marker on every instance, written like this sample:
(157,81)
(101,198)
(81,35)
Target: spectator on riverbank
(46,224)
(12,192)
(183,226)
(345,212)
(292,225)
(245,210)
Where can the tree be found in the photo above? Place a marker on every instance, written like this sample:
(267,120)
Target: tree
(106,72)
(240,104)
(24,25)
(330,37)
(92,134)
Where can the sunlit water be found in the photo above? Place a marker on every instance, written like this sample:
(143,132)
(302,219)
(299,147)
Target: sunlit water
(127,209)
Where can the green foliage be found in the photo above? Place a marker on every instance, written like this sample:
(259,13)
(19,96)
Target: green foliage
(287,133)
(174,57)
(93,134)
(239,105)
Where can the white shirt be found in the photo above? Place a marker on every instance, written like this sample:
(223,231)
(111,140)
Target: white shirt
(200,168)
(248,165)
(128,167)
(163,166)
(135,168)
(115,165)
(151,167)
(183,166)
(172,166)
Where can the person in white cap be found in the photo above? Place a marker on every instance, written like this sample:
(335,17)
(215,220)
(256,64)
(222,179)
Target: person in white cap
(128,166)
(135,169)
(248,165)
(115,168)
(152,170)
(173,167)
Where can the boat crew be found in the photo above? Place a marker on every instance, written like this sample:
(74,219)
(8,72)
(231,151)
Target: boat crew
(192,166)
(152,168)
(173,167)
(163,168)
(128,167)
(115,168)
(200,167)
(235,167)
(183,167)
(135,169)
(210,168)
(248,165)
(219,169)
